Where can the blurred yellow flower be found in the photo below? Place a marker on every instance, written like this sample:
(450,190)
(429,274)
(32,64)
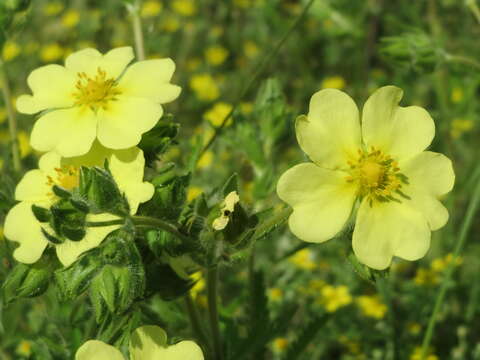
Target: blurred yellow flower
(89,100)
(24,348)
(275,294)
(303,259)
(414,328)
(372,306)
(24,144)
(279,344)
(334,297)
(151,8)
(52,8)
(10,50)
(184,7)
(250,49)
(456,95)
(417,354)
(426,277)
(216,115)
(440,264)
(51,52)
(193,192)
(246,108)
(460,126)
(334,82)
(170,24)
(205,160)
(71,18)
(199,285)
(205,87)
(216,55)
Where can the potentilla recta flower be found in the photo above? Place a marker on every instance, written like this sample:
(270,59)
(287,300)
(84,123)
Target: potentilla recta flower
(376,170)
(97,96)
(146,343)
(35,188)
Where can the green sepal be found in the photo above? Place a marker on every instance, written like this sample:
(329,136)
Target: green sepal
(362,270)
(41,214)
(156,142)
(53,239)
(73,234)
(80,205)
(61,192)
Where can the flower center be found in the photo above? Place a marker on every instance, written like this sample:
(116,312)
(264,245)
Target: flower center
(95,92)
(378,176)
(67,177)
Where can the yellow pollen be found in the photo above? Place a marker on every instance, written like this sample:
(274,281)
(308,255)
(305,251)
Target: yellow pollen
(377,175)
(95,92)
(67,177)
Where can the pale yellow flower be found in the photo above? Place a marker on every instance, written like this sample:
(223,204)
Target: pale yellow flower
(205,160)
(333,82)
(381,165)
(184,7)
(199,284)
(52,8)
(303,259)
(35,188)
(88,99)
(372,306)
(71,18)
(151,8)
(417,354)
(334,297)
(227,208)
(24,144)
(146,343)
(216,55)
(10,50)
(218,113)
(193,192)
(440,264)
(205,87)
(51,52)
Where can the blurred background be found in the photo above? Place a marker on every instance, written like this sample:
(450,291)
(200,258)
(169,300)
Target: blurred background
(429,48)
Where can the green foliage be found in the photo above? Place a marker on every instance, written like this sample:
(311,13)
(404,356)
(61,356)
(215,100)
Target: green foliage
(156,142)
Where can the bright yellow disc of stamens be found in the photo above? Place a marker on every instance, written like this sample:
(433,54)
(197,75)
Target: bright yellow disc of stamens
(67,177)
(377,175)
(95,92)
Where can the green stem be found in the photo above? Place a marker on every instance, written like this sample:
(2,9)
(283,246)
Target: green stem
(212,292)
(260,68)
(195,321)
(134,11)
(460,59)
(467,223)
(12,121)
(104,223)
(472,5)
(384,288)
(158,223)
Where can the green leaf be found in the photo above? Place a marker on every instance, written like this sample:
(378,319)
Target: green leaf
(156,142)
(41,214)
(230,185)
(164,281)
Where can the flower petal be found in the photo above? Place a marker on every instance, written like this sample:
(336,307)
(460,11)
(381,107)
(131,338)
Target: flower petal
(70,132)
(90,60)
(69,251)
(181,351)
(52,87)
(22,227)
(322,201)
(122,125)
(150,79)
(33,187)
(98,350)
(401,132)
(430,176)
(389,229)
(145,341)
(330,133)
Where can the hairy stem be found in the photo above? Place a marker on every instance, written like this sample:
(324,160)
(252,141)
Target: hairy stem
(212,293)
(384,288)
(196,322)
(158,223)
(464,229)
(12,121)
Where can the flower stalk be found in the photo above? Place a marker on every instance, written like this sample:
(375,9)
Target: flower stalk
(212,292)
(384,288)
(134,11)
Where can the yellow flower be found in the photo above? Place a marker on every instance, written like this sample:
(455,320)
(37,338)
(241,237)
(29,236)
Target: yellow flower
(24,348)
(333,298)
(217,114)
(88,100)
(226,210)
(414,328)
(440,264)
(275,294)
(71,18)
(52,8)
(151,8)
(279,344)
(371,306)
(216,55)
(250,49)
(184,7)
(205,87)
(425,277)
(147,342)
(51,52)
(170,24)
(3,115)
(417,354)
(460,126)
(334,82)
(199,285)
(457,95)
(205,160)
(246,108)
(381,163)
(24,144)
(193,192)
(303,259)
(35,188)
(10,50)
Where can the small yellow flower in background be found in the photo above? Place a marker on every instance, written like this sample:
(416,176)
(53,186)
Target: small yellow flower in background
(417,354)
(193,192)
(372,306)
(170,24)
(460,126)
(10,50)
(414,328)
(216,55)
(334,297)
(275,294)
(184,7)
(88,100)
(217,114)
(456,95)
(205,87)
(199,285)
(71,18)
(313,287)
(52,8)
(303,259)
(24,348)
(426,277)
(217,31)
(51,52)
(334,82)
(250,49)
(441,264)
(193,64)
(381,163)
(151,8)
(246,108)
(24,144)
(35,188)
(205,160)
(146,343)
(279,344)
(226,210)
